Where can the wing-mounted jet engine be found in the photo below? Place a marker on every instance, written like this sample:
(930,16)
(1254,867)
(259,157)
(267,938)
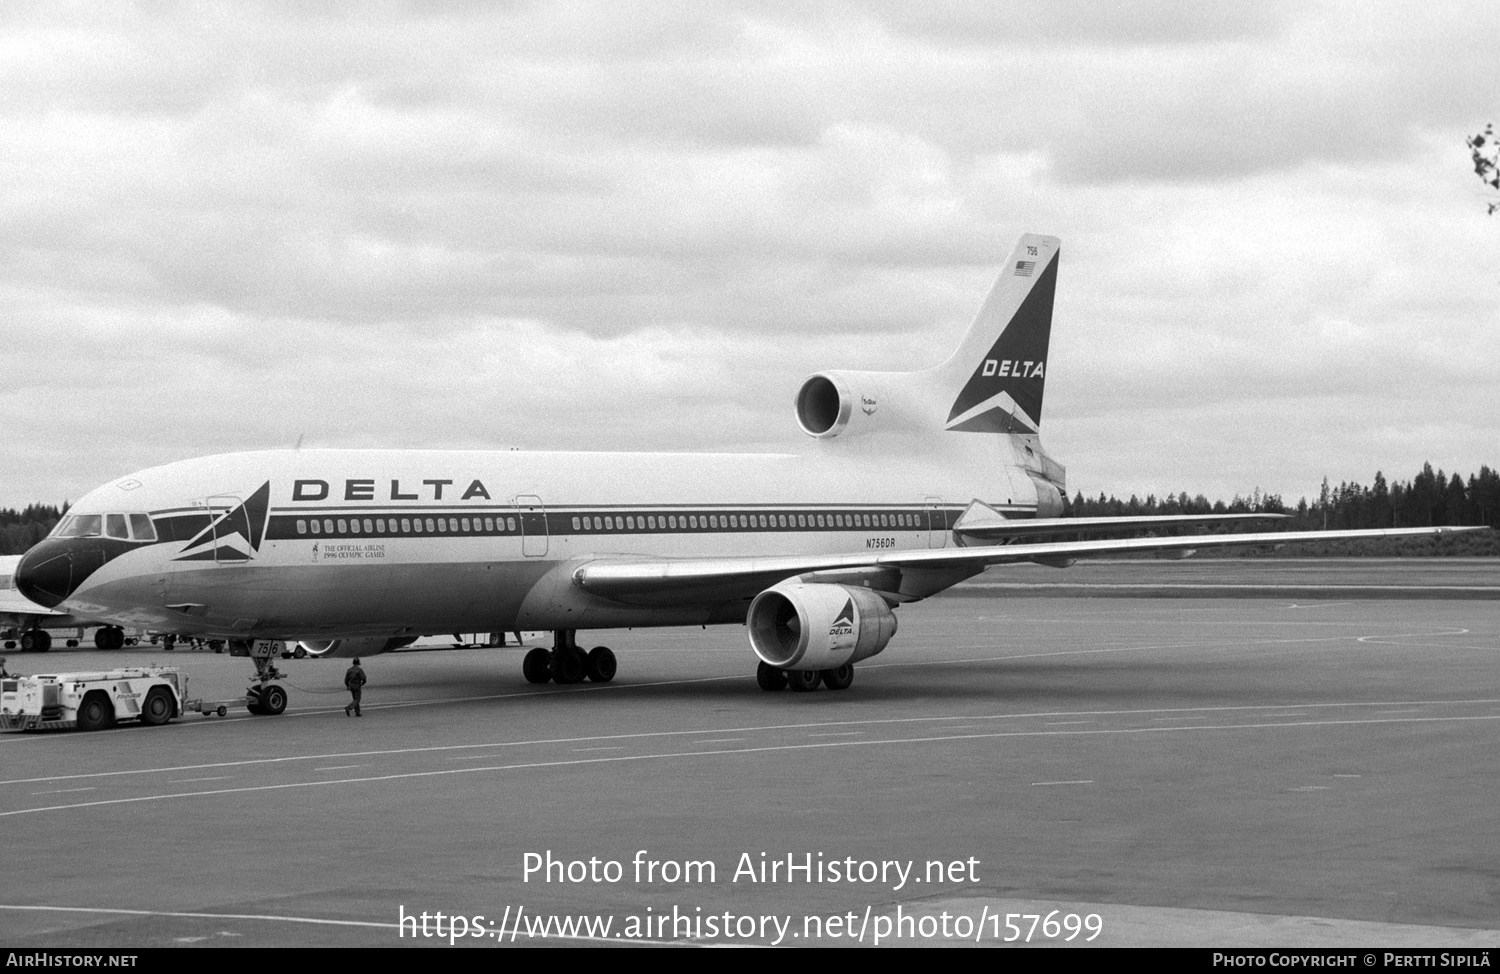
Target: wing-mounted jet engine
(806,634)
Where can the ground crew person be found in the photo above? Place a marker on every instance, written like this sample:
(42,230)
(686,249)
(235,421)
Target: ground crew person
(2,667)
(354,679)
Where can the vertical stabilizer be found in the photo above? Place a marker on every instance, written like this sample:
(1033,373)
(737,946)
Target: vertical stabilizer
(997,374)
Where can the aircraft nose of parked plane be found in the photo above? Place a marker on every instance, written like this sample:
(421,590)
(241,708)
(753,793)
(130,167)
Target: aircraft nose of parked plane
(45,574)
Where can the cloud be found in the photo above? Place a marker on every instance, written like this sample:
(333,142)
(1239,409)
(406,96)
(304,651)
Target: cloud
(601,225)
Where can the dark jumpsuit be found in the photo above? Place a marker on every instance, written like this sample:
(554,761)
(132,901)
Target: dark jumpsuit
(354,679)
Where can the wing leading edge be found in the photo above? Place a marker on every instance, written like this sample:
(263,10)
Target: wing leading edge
(902,576)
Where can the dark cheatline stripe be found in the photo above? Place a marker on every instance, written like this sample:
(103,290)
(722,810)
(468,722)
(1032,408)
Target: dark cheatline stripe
(505,522)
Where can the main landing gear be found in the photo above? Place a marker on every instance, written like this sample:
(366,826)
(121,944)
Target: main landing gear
(566,662)
(109,637)
(773,678)
(36,641)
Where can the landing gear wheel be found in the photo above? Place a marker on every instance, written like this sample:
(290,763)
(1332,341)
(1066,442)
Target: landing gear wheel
(537,666)
(109,637)
(804,681)
(273,700)
(569,665)
(158,708)
(770,678)
(254,702)
(95,713)
(601,664)
(839,678)
(36,641)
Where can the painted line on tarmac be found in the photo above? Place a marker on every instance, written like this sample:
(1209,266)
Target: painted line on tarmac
(1180,713)
(1200,644)
(602,687)
(236,719)
(323,921)
(199,916)
(615,759)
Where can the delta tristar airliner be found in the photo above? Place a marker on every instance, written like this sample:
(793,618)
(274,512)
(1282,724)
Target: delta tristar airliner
(907,484)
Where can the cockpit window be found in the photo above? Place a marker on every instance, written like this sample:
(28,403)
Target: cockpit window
(122,526)
(81,526)
(141,527)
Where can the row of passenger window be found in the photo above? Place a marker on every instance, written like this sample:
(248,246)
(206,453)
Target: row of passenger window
(125,527)
(644,522)
(407,525)
(741,522)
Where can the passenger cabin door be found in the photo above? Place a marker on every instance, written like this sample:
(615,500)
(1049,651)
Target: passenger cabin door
(937,523)
(231,539)
(532,514)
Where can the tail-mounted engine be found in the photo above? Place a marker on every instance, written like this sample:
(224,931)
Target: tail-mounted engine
(347,648)
(850,403)
(794,626)
(824,405)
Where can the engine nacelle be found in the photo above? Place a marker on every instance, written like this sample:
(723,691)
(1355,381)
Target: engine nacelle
(824,405)
(794,626)
(348,648)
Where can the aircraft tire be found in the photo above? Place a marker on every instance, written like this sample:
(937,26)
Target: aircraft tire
(273,700)
(839,677)
(95,712)
(253,702)
(157,709)
(770,678)
(569,665)
(601,664)
(804,681)
(35,641)
(537,666)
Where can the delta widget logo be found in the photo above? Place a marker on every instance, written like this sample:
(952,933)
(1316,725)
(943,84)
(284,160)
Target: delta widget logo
(234,535)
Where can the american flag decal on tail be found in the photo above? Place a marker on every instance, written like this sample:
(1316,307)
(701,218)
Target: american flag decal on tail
(1025,267)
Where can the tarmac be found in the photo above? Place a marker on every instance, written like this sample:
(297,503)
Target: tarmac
(1106,771)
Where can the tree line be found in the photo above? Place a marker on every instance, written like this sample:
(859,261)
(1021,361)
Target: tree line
(1430,498)
(20,530)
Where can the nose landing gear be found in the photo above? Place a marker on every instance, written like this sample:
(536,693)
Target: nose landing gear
(264,697)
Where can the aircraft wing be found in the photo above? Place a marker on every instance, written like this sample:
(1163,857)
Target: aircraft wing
(980,523)
(901,575)
(16,609)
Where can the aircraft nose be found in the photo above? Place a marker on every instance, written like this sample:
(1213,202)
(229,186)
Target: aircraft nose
(45,574)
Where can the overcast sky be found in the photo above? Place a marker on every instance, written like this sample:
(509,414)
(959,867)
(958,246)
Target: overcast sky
(640,226)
